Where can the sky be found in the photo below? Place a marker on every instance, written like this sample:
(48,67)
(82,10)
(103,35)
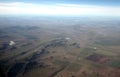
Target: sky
(60,7)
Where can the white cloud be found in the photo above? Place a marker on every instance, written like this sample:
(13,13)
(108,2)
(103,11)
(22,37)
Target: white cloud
(12,43)
(57,9)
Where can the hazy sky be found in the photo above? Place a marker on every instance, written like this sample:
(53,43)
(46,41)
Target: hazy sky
(61,7)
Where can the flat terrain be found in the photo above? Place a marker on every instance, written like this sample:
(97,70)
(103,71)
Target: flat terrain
(60,47)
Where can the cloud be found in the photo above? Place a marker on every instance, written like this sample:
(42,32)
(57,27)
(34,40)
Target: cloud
(57,9)
(12,43)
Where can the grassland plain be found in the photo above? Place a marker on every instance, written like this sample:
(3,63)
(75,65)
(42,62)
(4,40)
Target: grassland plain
(54,49)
